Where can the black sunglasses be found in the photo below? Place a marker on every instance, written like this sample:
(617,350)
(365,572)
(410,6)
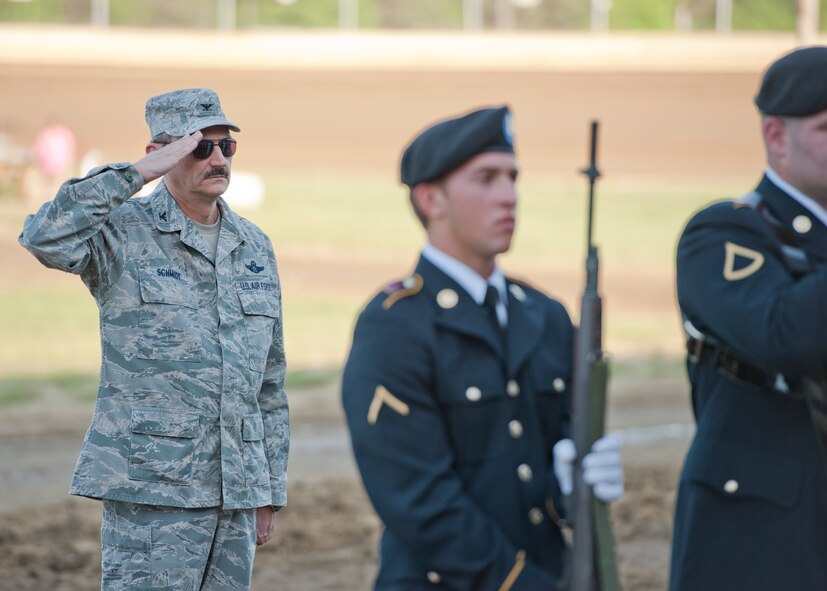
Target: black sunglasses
(205,147)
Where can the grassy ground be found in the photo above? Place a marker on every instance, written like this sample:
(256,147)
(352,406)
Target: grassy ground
(338,239)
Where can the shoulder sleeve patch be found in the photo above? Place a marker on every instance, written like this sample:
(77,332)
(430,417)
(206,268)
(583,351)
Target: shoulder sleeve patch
(382,396)
(733,252)
(403,289)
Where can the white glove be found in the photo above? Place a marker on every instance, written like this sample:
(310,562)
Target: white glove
(602,468)
(564,454)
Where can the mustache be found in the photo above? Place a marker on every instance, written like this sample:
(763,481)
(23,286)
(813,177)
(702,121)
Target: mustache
(220,171)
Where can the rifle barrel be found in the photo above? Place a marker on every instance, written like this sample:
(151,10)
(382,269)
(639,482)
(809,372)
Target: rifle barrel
(587,351)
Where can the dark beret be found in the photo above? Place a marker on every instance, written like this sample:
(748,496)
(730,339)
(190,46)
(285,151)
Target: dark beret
(795,85)
(446,145)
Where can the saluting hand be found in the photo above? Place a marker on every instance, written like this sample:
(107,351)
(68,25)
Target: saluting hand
(161,158)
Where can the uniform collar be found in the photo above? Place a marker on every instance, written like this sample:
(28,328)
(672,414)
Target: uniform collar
(805,201)
(168,217)
(165,211)
(471,281)
(458,312)
(795,218)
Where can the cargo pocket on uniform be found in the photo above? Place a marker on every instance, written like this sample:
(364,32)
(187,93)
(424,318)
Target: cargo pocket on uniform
(174,579)
(162,443)
(168,317)
(260,309)
(125,557)
(256,470)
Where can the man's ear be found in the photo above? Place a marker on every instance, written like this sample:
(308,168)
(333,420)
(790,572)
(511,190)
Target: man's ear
(150,147)
(775,136)
(429,199)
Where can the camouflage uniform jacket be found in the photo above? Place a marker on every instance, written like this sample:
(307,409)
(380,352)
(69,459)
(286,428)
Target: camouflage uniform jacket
(191,409)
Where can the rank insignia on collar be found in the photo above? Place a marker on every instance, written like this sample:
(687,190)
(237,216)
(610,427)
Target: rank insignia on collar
(755,260)
(163,215)
(252,266)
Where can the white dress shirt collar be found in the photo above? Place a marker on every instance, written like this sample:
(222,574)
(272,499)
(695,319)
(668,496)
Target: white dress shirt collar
(471,281)
(806,202)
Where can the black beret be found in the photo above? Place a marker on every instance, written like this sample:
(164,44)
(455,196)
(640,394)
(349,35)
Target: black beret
(795,85)
(446,145)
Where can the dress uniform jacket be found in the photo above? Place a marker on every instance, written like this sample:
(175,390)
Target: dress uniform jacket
(453,429)
(191,409)
(752,501)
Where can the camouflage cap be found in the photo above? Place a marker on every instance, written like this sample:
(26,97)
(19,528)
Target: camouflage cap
(184,111)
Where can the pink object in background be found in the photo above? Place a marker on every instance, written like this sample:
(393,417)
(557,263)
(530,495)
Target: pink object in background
(54,149)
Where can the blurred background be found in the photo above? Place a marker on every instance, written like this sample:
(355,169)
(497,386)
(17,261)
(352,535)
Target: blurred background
(328,93)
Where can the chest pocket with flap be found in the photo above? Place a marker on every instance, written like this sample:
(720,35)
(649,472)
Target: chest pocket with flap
(168,317)
(261,312)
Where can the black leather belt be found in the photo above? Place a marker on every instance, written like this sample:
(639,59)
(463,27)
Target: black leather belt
(701,351)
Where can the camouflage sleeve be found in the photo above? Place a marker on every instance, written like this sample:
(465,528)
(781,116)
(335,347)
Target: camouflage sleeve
(73,232)
(272,401)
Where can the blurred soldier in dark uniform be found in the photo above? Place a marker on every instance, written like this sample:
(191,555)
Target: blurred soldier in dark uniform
(752,286)
(457,385)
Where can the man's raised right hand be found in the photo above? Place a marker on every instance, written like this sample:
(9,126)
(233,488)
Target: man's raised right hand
(160,158)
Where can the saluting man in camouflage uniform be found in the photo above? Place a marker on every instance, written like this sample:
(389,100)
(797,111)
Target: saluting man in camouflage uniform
(189,441)
(457,386)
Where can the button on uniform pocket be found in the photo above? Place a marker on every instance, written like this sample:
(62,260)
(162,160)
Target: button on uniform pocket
(477,420)
(549,378)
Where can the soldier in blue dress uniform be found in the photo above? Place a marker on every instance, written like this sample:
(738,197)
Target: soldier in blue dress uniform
(457,387)
(752,286)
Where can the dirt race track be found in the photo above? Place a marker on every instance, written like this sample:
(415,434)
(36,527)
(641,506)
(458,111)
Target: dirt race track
(358,112)
(655,122)
(326,538)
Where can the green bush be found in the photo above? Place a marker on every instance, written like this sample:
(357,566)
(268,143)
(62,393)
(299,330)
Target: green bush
(634,15)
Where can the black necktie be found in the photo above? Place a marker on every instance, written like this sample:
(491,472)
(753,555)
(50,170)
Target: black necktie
(491,299)
(492,296)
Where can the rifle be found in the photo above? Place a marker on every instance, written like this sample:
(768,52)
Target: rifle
(592,562)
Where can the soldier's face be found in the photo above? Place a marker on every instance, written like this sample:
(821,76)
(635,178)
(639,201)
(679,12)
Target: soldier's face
(208,178)
(803,154)
(478,207)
